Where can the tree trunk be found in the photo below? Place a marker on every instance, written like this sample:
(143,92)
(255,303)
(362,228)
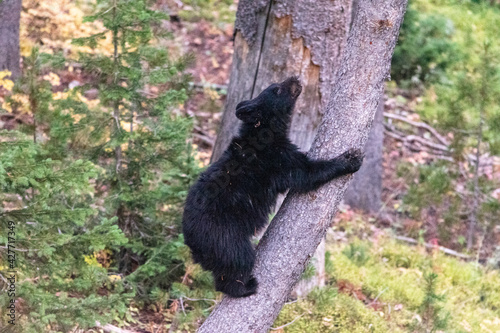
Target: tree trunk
(10,13)
(354,9)
(278,39)
(365,190)
(302,221)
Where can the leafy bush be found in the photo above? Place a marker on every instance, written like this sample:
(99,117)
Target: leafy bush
(429,190)
(425,49)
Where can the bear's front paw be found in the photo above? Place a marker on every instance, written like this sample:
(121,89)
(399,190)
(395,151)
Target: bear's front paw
(353,159)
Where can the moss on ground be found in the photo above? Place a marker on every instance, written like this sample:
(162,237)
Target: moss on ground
(379,286)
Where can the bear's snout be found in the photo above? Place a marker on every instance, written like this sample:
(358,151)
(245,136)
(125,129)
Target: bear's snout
(292,84)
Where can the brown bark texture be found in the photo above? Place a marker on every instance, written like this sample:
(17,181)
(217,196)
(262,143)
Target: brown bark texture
(10,14)
(303,220)
(278,39)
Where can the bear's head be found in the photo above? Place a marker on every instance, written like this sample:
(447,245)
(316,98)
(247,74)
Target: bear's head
(273,105)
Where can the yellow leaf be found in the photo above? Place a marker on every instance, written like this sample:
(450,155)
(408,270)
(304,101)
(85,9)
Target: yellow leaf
(5,73)
(4,81)
(114,278)
(53,78)
(91,260)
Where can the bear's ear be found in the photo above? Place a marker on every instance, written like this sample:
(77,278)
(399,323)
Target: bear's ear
(248,112)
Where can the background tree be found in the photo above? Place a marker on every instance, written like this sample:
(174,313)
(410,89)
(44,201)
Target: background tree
(365,190)
(10,13)
(455,197)
(303,219)
(59,231)
(139,140)
(277,39)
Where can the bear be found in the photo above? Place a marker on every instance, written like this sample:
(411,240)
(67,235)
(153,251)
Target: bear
(233,198)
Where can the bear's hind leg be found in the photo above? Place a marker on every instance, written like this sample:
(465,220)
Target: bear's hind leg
(236,287)
(234,275)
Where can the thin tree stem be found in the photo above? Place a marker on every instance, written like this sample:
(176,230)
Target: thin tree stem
(116,109)
(477,162)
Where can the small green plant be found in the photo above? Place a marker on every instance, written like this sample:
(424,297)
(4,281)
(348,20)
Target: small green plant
(309,271)
(357,252)
(432,317)
(429,190)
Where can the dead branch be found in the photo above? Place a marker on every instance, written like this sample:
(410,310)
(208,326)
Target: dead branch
(422,125)
(111,328)
(204,139)
(287,324)
(436,150)
(430,246)
(428,143)
(213,86)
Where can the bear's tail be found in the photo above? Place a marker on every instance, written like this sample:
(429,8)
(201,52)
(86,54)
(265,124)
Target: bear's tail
(236,287)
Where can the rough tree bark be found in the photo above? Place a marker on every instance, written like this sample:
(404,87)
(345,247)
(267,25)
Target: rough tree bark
(302,221)
(10,13)
(365,190)
(278,39)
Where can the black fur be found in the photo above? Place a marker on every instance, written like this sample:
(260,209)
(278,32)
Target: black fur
(233,198)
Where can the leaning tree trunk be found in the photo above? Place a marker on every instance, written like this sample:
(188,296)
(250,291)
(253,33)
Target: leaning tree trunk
(302,221)
(278,39)
(365,190)
(10,13)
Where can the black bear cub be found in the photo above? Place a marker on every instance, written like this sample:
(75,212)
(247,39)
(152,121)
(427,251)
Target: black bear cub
(233,198)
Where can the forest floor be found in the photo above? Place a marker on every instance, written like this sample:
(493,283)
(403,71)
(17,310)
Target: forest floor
(377,284)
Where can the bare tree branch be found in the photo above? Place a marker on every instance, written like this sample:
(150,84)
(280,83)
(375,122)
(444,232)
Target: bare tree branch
(430,246)
(406,139)
(419,125)
(111,328)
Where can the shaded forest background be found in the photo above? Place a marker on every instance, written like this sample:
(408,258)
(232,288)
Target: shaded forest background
(114,112)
